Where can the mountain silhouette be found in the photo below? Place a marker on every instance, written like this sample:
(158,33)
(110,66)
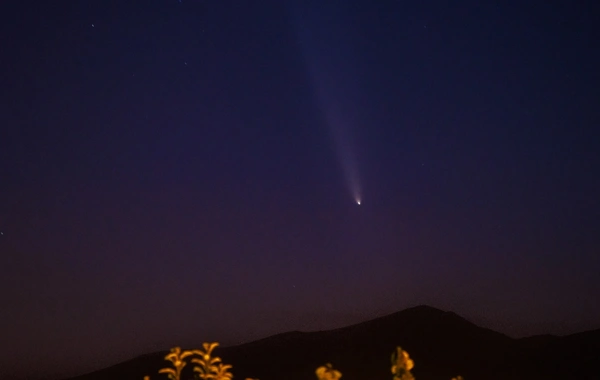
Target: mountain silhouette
(442,344)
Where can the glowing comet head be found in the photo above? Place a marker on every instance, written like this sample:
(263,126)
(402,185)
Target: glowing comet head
(358,202)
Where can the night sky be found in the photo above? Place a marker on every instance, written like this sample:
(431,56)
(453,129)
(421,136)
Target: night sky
(174,172)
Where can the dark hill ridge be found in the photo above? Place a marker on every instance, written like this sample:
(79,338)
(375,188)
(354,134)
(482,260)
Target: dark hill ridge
(442,344)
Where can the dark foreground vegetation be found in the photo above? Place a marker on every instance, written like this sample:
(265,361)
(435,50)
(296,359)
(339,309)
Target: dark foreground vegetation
(206,366)
(442,345)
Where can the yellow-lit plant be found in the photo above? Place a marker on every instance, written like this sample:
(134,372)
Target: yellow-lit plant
(211,368)
(177,357)
(401,365)
(327,372)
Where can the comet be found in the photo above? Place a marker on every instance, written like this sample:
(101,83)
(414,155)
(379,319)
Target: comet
(331,64)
